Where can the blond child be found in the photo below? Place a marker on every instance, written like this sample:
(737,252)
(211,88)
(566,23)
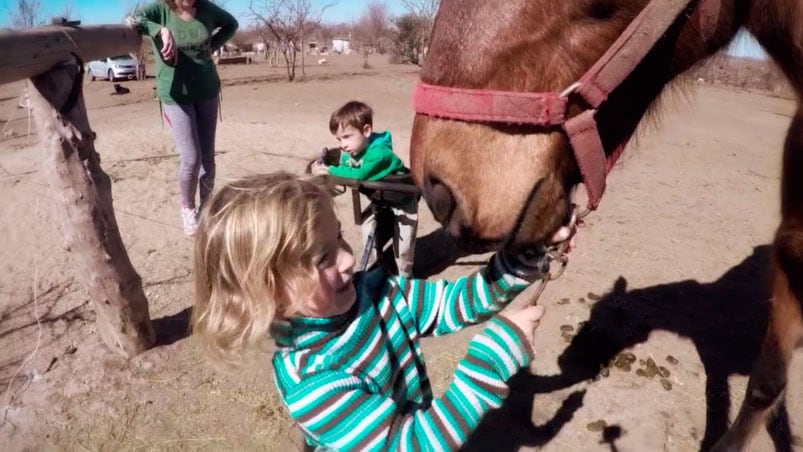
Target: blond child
(269,256)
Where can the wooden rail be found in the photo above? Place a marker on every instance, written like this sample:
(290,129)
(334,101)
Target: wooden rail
(51,57)
(28,53)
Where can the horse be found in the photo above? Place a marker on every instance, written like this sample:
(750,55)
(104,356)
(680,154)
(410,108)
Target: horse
(547,95)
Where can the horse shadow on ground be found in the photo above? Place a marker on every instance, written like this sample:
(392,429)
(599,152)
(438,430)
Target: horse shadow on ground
(725,320)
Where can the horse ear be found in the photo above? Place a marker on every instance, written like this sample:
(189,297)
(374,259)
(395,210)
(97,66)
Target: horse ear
(620,286)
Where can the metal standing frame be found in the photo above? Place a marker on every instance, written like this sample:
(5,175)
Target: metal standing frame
(383,194)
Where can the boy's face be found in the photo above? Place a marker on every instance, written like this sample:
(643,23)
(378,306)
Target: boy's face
(353,140)
(335,293)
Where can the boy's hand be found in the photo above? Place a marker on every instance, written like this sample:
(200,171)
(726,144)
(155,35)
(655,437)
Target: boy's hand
(319,168)
(527,319)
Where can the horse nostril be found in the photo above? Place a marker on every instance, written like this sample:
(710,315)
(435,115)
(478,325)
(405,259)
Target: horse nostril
(439,198)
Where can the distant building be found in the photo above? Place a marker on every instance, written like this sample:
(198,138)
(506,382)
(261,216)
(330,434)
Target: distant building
(260,49)
(341,45)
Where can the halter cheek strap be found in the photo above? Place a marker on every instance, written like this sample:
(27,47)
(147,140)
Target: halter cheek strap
(549,109)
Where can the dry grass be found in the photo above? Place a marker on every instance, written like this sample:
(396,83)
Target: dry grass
(744,73)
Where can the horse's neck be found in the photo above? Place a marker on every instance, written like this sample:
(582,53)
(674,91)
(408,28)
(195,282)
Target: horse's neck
(777,25)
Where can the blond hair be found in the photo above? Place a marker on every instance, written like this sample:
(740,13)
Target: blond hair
(256,240)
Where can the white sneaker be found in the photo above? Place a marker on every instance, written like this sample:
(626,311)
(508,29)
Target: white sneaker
(189,216)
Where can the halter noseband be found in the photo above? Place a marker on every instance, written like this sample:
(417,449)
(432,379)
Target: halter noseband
(549,109)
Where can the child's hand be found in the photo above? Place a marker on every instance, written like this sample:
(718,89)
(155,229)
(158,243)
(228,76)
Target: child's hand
(319,168)
(565,233)
(527,319)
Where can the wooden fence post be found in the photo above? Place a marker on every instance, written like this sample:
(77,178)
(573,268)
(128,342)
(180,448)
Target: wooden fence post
(84,197)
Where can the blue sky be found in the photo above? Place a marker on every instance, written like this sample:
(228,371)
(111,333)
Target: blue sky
(745,45)
(112,11)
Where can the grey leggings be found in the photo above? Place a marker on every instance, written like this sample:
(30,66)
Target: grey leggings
(193,128)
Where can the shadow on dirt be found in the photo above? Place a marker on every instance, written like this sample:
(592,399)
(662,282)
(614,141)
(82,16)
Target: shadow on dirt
(510,427)
(35,324)
(435,252)
(725,320)
(172,328)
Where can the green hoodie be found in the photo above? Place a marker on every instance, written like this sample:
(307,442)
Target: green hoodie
(375,163)
(193,78)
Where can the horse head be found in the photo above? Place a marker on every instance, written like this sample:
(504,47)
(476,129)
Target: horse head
(494,181)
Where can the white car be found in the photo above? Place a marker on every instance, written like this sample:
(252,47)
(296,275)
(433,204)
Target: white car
(113,68)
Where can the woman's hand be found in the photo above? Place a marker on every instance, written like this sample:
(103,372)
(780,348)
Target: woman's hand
(168,45)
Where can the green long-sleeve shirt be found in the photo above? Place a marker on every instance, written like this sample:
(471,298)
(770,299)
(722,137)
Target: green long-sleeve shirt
(358,381)
(193,78)
(375,163)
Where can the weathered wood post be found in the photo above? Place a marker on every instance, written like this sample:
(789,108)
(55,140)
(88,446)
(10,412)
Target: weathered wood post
(50,57)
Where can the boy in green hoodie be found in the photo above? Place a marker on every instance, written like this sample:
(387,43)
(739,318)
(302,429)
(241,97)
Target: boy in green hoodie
(368,155)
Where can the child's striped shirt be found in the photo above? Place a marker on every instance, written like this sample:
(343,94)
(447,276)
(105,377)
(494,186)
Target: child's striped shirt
(358,381)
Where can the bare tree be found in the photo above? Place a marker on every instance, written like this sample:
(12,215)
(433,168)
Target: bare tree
(422,8)
(408,41)
(273,17)
(426,11)
(25,13)
(68,10)
(374,26)
(306,20)
(365,38)
(139,55)
(289,22)
(326,33)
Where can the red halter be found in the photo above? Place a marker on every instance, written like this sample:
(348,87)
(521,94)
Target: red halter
(549,109)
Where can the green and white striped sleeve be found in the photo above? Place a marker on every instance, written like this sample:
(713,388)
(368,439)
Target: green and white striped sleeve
(336,409)
(442,307)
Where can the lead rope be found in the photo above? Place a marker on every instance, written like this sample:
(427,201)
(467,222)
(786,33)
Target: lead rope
(163,24)
(220,100)
(557,252)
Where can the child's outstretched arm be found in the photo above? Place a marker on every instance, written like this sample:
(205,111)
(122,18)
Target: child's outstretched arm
(338,410)
(442,307)
(373,164)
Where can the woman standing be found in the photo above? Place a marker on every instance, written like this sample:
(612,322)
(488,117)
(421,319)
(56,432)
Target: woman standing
(184,35)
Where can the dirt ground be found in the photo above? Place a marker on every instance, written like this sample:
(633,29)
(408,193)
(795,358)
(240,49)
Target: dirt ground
(670,269)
